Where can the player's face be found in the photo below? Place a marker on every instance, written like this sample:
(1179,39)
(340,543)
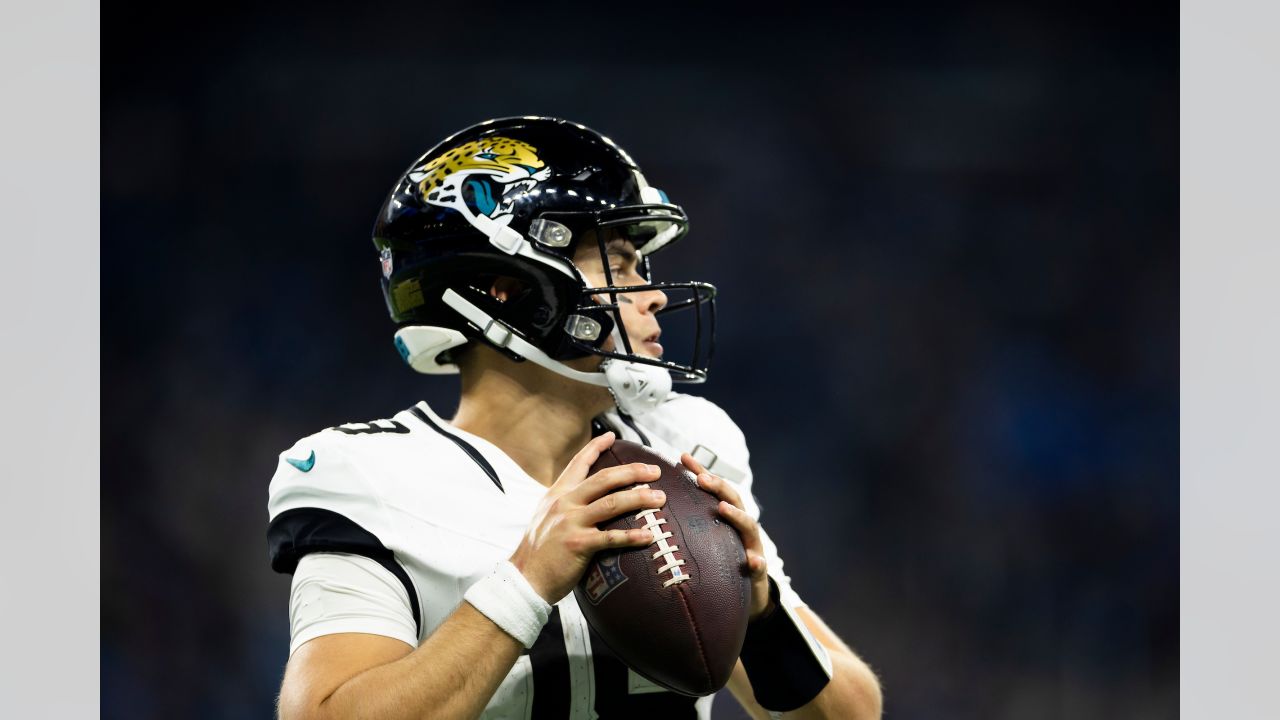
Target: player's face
(638,309)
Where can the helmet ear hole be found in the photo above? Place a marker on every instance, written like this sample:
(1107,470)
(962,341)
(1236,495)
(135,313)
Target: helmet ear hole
(543,316)
(505,289)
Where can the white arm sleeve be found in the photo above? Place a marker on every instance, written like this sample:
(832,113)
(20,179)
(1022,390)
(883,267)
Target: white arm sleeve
(785,592)
(340,593)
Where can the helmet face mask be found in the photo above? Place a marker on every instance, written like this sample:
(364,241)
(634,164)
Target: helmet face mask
(610,297)
(517,198)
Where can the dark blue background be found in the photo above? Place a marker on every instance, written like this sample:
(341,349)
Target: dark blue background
(946,247)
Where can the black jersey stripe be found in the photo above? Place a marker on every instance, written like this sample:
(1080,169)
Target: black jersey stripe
(632,424)
(300,531)
(611,680)
(466,446)
(550,665)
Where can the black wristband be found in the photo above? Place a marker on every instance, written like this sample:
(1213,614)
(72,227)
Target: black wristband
(786,665)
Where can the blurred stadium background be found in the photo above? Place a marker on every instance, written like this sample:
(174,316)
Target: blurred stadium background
(946,245)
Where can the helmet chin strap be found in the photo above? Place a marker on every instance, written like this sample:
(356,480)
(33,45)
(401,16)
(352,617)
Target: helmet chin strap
(636,388)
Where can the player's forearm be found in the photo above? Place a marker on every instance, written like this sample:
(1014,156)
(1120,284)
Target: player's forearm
(453,674)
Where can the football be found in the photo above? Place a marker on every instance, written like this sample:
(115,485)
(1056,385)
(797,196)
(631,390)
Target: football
(674,611)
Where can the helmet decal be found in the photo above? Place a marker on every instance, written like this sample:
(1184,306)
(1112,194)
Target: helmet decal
(387,262)
(481,178)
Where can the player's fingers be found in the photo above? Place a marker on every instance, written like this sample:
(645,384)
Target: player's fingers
(757,564)
(576,471)
(721,488)
(605,539)
(746,525)
(614,504)
(694,466)
(613,478)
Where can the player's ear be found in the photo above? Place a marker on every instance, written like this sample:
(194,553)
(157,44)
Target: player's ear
(505,288)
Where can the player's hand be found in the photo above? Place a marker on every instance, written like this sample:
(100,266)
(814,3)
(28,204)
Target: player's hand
(563,536)
(731,509)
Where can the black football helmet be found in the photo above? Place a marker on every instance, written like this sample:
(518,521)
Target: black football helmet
(515,198)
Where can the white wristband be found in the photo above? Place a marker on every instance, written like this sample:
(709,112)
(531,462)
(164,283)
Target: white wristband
(507,598)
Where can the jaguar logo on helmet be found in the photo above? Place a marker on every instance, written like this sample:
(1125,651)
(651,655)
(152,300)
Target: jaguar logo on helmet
(480,179)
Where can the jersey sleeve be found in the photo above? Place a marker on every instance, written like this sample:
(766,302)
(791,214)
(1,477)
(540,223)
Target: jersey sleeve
(319,502)
(704,430)
(341,593)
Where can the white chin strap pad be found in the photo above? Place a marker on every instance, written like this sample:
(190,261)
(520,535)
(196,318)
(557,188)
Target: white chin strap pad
(637,388)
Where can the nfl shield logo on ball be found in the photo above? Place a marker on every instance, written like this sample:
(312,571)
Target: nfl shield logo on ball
(603,577)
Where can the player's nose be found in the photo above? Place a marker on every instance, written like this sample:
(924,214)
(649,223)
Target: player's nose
(651,301)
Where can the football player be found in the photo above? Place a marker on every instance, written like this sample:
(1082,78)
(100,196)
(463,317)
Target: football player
(434,559)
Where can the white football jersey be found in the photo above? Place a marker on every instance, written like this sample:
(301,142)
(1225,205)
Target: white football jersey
(439,507)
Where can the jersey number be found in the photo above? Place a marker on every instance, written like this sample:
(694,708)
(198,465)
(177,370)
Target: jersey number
(373,428)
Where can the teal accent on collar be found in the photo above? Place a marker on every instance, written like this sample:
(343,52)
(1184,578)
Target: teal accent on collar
(304,465)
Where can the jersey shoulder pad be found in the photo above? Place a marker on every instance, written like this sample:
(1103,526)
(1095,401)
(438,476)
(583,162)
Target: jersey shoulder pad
(319,500)
(703,429)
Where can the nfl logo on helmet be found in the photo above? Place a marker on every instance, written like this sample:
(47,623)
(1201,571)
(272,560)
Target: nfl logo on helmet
(386,262)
